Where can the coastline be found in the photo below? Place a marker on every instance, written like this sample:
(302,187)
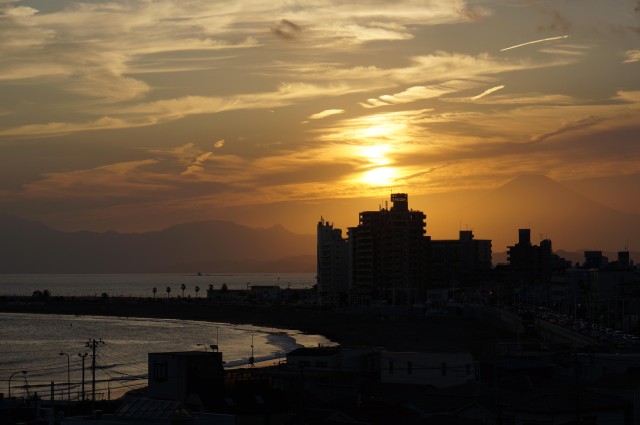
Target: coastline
(353,327)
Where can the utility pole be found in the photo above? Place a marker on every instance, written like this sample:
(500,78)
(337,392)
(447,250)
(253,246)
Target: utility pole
(68,376)
(92,344)
(82,356)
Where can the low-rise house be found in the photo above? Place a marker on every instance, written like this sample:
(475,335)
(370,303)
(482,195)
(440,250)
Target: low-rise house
(271,293)
(189,377)
(314,359)
(439,370)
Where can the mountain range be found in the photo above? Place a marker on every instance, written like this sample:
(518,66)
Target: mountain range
(211,246)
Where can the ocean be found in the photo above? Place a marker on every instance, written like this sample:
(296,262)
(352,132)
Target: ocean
(141,285)
(33,343)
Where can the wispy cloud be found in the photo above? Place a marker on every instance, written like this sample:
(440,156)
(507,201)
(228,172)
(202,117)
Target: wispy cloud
(567,127)
(632,56)
(114,180)
(19,11)
(59,128)
(543,40)
(524,99)
(286,29)
(488,92)
(326,113)
(415,93)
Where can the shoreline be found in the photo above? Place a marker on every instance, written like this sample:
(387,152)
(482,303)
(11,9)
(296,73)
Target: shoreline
(406,332)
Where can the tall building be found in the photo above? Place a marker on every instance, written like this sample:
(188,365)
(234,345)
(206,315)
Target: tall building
(464,261)
(333,265)
(532,263)
(390,255)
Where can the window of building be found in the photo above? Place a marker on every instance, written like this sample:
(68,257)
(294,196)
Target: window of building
(159,371)
(322,364)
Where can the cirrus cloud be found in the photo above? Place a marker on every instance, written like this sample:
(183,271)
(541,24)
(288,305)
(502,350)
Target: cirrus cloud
(326,113)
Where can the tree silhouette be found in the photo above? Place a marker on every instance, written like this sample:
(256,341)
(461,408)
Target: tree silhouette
(224,287)
(168,291)
(154,290)
(183,287)
(197,289)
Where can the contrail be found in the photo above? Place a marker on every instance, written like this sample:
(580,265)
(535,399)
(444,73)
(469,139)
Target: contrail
(534,42)
(486,92)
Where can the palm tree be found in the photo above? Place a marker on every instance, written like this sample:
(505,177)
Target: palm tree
(183,287)
(168,291)
(197,289)
(154,290)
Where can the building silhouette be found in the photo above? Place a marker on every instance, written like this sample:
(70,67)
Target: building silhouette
(332,265)
(530,263)
(389,255)
(460,261)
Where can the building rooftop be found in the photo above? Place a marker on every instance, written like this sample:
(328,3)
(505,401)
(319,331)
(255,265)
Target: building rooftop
(314,351)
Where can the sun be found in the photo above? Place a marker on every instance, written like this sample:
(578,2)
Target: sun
(375,154)
(380,176)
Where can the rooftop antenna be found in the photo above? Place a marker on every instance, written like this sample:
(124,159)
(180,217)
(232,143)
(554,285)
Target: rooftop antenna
(252,359)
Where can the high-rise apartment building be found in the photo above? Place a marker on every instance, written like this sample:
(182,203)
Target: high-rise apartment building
(333,265)
(389,255)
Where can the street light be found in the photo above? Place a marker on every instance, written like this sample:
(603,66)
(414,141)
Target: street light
(24,372)
(68,376)
(83,356)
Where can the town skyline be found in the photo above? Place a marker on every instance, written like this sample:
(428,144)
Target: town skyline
(133,116)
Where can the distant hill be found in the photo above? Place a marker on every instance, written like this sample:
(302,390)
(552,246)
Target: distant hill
(572,221)
(209,246)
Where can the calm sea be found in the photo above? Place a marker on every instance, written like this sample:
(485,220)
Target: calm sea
(141,285)
(33,343)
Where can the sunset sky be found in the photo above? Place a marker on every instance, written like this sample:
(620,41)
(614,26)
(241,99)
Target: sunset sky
(133,115)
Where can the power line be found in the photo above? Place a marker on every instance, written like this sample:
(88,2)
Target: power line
(92,343)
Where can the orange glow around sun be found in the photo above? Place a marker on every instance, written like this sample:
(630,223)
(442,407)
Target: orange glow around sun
(380,176)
